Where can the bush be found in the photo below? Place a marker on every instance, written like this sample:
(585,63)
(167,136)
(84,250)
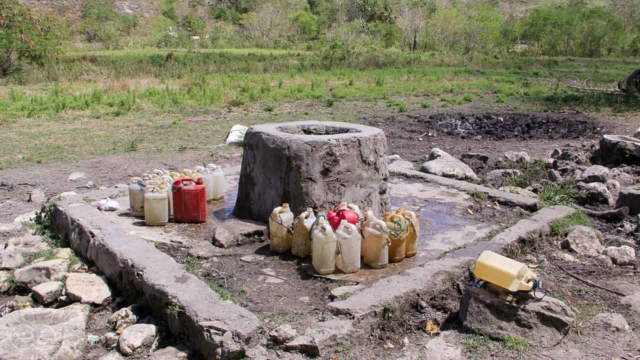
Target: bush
(101,23)
(25,37)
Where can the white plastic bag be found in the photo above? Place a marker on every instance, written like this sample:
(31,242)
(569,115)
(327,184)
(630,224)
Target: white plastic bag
(236,136)
(108,205)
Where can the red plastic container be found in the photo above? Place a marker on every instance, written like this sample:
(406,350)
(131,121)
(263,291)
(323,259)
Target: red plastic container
(337,215)
(189,201)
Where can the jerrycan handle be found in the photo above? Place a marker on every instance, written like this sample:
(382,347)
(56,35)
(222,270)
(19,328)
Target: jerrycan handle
(181,183)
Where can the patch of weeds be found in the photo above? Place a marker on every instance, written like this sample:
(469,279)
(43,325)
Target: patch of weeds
(388,310)
(586,312)
(133,146)
(237,102)
(191,265)
(339,349)
(174,308)
(564,194)
(73,259)
(224,294)
(526,247)
(500,99)
(478,195)
(468,98)
(12,282)
(31,257)
(88,200)
(425,104)
(516,344)
(269,107)
(330,102)
(399,105)
(562,227)
(176,122)
(476,342)
(344,296)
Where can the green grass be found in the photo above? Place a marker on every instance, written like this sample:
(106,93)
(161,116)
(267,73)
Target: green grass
(478,195)
(516,344)
(562,227)
(174,308)
(476,342)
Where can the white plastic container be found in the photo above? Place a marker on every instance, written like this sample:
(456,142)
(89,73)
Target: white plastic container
(207,179)
(218,183)
(323,255)
(156,205)
(301,234)
(376,249)
(348,257)
(166,179)
(136,196)
(280,229)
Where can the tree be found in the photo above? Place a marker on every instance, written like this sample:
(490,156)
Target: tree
(411,19)
(307,25)
(25,37)
(101,23)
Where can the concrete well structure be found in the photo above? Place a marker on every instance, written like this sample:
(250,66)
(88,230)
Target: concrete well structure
(312,164)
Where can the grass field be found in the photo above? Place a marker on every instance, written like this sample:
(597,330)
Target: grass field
(97,103)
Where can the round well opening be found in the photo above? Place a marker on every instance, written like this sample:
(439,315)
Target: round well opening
(317,130)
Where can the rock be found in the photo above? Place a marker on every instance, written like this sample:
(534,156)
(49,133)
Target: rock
(559,255)
(110,340)
(543,322)
(42,272)
(637,134)
(517,156)
(235,232)
(252,258)
(10,258)
(88,288)
(37,196)
(556,153)
(114,355)
(596,193)
(554,176)
(575,156)
(611,322)
(619,149)
(630,197)
(403,165)
(77,176)
(313,164)
(604,261)
(320,336)
(344,291)
(519,191)
(584,241)
(89,185)
(26,218)
(393,158)
(62,253)
(623,255)
(439,349)
(5,281)
(41,333)
(169,353)
(48,292)
(135,337)
(20,303)
(614,187)
(68,194)
(497,177)
(10,229)
(595,173)
(122,318)
(442,164)
(257,353)
(283,333)
(28,244)
(620,175)
(632,302)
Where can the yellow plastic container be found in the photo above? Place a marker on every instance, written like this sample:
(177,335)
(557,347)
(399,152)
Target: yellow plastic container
(301,239)
(397,248)
(280,232)
(504,272)
(413,231)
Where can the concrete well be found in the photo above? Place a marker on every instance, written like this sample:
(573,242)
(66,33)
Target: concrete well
(312,164)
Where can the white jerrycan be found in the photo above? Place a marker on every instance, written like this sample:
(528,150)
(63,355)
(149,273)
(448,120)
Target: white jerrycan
(368,219)
(302,234)
(376,248)
(207,179)
(156,205)
(323,256)
(169,183)
(218,181)
(280,229)
(136,196)
(348,255)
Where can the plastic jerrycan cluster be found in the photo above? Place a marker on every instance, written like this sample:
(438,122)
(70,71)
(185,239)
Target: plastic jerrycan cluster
(323,255)
(280,232)
(189,201)
(375,252)
(342,212)
(207,179)
(156,204)
(136,196)
(413,231)
(302,234)
(218,182)
(348,243)
(504,272)
(398,236)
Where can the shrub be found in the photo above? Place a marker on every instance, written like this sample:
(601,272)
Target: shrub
(101,23)
(25,37)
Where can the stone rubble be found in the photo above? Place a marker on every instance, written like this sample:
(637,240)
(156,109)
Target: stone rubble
(623,255)
(87,288)
(41,272)
(136,336)
(584,241)
(442,164)
(48,292)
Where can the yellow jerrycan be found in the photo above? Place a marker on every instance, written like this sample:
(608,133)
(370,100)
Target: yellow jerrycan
(413,232)
(280,229)
(504,272)
(301,234)
(323,254)
(397,226)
